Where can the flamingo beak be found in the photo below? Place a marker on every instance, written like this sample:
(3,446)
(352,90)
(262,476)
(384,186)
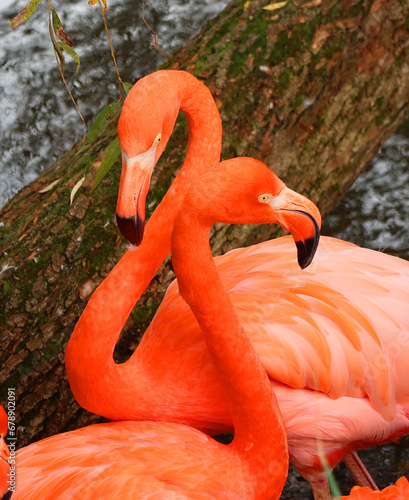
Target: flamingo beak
(301,217)
(133,189)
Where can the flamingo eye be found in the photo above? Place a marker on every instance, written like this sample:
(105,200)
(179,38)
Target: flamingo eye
(158,139)
(263,197)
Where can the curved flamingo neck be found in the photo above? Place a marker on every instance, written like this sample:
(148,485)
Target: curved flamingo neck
(96,381)
(259,431)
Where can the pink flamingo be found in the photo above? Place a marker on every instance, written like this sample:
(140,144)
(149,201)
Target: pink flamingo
(335,360)
(139,460)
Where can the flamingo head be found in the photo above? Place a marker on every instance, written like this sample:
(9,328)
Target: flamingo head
(147,119)
(246,191)
(298,215)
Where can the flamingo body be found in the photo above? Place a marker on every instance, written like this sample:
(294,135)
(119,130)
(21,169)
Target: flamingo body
(155,460)
(340,335)
(339,327)
(334,327)
(131,460)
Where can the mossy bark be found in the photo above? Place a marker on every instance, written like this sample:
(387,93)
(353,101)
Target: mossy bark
(313,89)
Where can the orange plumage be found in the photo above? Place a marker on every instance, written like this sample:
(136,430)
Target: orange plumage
(333,338)
(141,460)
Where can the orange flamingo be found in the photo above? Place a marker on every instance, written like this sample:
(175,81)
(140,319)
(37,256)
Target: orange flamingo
(140,460)
(397,491)
(336,359)
(5,493)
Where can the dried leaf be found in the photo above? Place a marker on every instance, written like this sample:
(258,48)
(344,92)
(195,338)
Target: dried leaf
(91,3)
(72,53)
(266,69)
(24,14)
(59,29)
(320,38)
(75,189)
(62,35)
(113,152)
(275,6)
(314,3)
(49,187)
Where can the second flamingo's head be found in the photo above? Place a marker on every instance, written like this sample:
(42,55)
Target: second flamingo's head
(144,128)
(246,191)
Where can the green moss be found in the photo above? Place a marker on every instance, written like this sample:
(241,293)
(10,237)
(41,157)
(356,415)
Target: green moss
(304,33)
(399,61)
(298,100)
(283,48)
(379,102)
(336,187)
(336,45)
(285,77)
(83,163)
(237,62)
(355,10)
(337,11)
(200,66)
(380,119)
(224,29)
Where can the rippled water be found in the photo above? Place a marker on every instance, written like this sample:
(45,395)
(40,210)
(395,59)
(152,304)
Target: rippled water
(375,212)
(38,121)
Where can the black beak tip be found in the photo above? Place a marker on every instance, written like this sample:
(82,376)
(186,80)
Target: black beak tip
(132,228)
(306,250)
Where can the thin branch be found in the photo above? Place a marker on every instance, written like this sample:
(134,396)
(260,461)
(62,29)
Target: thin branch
(154,36)
(61,69)
(121,98)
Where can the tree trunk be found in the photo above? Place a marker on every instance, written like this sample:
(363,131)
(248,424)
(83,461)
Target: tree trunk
(313,89)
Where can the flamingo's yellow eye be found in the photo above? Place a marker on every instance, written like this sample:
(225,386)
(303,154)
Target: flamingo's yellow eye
(263,197)
(158,139)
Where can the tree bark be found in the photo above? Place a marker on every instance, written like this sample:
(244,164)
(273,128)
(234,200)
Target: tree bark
(313,89)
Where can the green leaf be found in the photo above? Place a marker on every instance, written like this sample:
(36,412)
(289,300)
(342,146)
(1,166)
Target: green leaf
(83,148)
(101,122)
(59,53)
(110,158)
(56,47)
(24,14)
(72,53)
(56,21)
(127,87)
